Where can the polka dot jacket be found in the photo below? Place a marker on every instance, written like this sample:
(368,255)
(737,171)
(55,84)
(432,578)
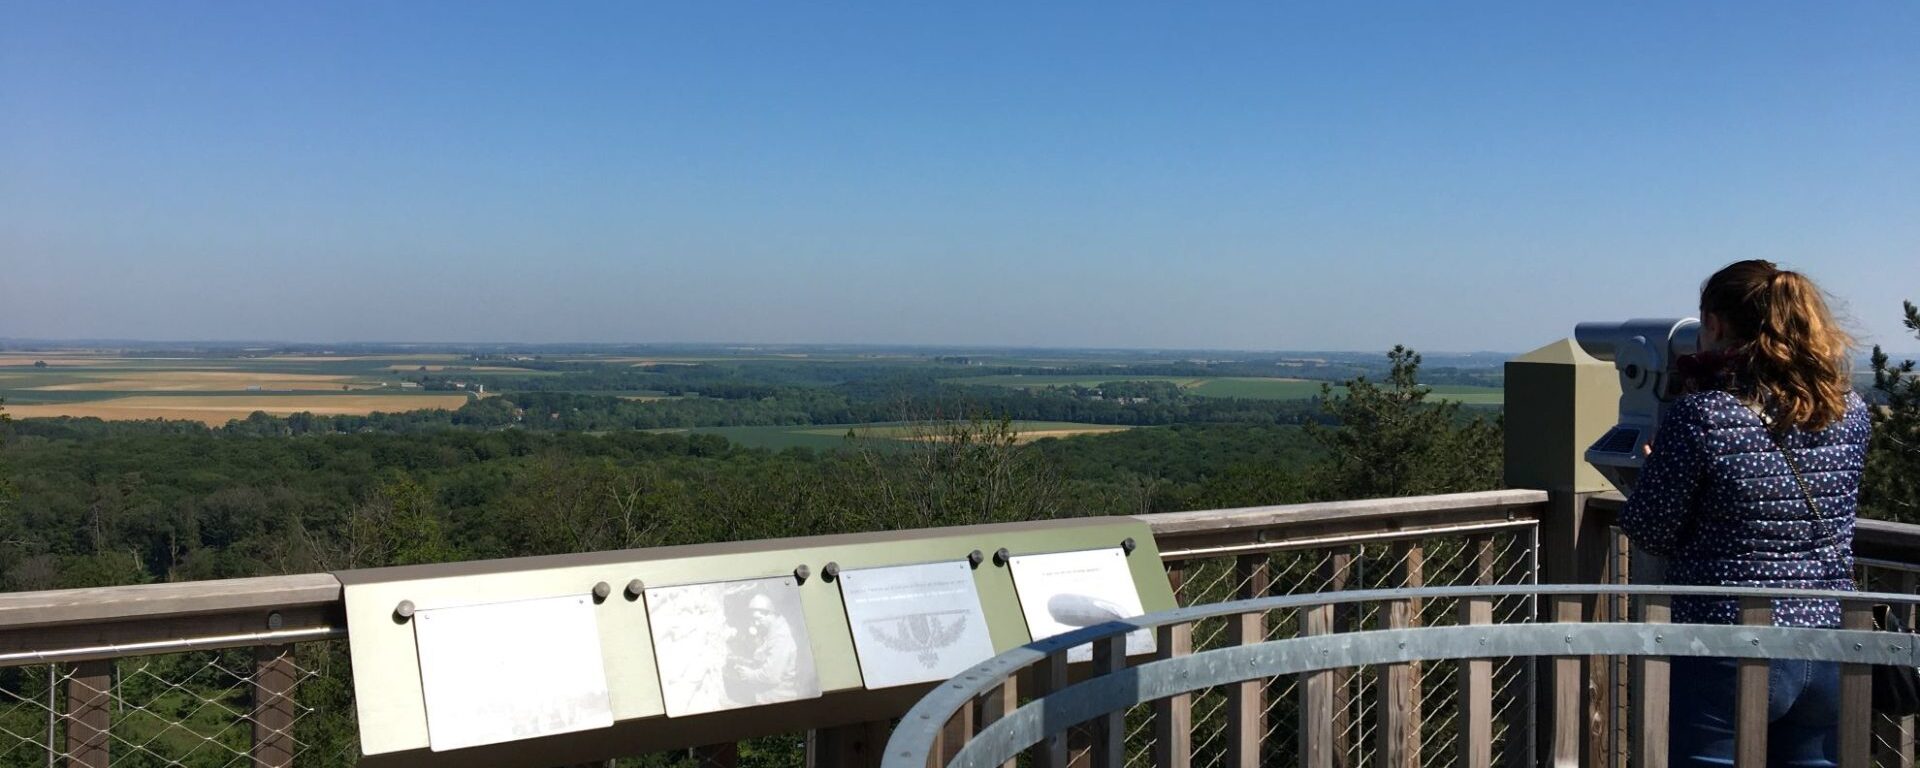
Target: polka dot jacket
(1719,500)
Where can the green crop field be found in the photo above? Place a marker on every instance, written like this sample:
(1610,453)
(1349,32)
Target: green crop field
(1227,386)
(830,436)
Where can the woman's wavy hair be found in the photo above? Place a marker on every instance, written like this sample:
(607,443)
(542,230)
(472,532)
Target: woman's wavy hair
(1795,357)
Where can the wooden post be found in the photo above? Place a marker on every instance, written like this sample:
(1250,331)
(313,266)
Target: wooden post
(1652,678)
(274,680)
(1608,674)
(1316,697)
(998,702)
(1400,683)
(954,735)
(1573,550)
(1110,730)
(1750,694)
(1050,676)
(1247,701)
(88,716)
(726,755)
(1415,577)
(1895,734)
(1476,693)
(1396,685)
(1476,675)
(1173,716)
(1339,566)
(1856,694)
(860,745)
(1564,736)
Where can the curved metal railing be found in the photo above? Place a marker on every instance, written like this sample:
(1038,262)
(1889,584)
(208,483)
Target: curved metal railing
(1103,698)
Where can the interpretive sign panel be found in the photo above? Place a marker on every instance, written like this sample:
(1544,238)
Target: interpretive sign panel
(509,671)
(1064,591)
(915,623)
(731,644)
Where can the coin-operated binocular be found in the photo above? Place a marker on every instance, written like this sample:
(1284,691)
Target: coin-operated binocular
(1646,353)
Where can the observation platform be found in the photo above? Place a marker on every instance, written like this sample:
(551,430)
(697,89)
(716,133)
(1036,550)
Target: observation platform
(1511,628)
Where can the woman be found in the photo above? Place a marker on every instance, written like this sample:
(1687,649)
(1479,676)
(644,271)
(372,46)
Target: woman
(1753,482)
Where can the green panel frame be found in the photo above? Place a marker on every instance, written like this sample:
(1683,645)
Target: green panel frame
(390,702)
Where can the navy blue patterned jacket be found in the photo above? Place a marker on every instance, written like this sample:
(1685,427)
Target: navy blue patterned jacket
(1720,502)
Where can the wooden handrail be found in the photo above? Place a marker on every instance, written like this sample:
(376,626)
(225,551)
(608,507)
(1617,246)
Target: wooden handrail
(21,610)
(72,625)
(1216,532)
(36,626)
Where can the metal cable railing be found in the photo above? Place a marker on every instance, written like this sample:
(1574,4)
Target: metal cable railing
(1504,556)
(212,708)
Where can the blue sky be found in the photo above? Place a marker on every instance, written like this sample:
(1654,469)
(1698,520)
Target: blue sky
(1454,176)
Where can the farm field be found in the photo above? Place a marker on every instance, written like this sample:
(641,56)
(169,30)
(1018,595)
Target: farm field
(213,390)
(216,410)
(1226,386)
(828,436)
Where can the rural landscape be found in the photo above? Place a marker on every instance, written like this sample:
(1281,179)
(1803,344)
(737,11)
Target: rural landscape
(145,463)
(296,297)
(215,385)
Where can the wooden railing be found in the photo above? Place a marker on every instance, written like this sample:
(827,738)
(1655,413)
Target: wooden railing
(74,663)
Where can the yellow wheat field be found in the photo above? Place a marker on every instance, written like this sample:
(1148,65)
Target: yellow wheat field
(215,411)
(55,361)
(201,381)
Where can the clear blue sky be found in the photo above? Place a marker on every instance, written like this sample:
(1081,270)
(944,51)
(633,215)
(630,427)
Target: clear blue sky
(1264,175)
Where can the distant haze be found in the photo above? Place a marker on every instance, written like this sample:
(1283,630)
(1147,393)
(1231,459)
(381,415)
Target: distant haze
(1219,175)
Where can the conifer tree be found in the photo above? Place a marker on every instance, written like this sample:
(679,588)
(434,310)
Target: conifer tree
(1392,441)
(1891,488)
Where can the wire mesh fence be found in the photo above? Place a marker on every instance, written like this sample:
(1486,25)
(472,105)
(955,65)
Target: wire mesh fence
(211,709)
(1360,722)
(1893,737)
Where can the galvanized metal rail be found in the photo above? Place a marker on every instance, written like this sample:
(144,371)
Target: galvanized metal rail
(1103,698)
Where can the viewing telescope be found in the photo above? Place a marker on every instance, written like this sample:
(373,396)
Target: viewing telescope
(1646,353)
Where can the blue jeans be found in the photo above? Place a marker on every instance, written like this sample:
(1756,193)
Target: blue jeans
(1803,708)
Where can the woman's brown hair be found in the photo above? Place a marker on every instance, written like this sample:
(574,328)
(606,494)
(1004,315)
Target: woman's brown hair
(1795,357)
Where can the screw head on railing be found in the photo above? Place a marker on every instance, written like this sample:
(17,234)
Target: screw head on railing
(975,558)
(601,590)
(403,611)
(1128,545)
(800,573)
(275,620)
(1001,556)
(635,588)
(830,571)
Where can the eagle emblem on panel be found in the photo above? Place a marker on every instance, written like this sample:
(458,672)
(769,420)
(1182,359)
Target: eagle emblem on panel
(921,634)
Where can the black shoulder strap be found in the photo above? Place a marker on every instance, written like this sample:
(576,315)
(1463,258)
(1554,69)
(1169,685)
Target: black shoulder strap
(1794,467)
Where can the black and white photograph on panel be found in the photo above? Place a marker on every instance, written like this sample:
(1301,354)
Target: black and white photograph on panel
(1064,591)
(513,670)
(915,623)
(731,644)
